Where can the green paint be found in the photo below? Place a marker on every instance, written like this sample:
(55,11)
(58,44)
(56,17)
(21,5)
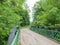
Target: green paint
(15,41)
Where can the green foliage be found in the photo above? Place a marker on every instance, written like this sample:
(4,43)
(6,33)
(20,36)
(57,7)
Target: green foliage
(25,17)
(47,12)
(47,16)
(11,14)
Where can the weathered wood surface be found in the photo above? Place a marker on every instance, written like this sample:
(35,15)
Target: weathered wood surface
(29,37)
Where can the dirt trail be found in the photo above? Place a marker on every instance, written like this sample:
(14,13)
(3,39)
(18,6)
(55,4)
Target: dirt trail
(29,37)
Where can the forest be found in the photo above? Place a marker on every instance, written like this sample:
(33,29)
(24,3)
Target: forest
(46,15)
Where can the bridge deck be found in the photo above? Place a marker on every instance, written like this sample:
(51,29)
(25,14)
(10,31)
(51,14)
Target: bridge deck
(29,37)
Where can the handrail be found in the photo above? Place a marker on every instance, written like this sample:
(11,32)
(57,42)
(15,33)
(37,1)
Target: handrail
(49,33)
(13,37)
(15,40)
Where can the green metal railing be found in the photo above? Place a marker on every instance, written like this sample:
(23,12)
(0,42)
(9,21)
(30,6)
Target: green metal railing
(15,40)
(49,33)
(14,36)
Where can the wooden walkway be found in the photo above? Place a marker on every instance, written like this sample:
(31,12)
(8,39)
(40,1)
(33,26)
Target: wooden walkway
(29,37)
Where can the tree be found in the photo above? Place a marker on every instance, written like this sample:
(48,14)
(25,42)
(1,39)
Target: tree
(46,12)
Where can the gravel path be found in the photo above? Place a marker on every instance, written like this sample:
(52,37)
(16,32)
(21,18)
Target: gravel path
(29,37)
